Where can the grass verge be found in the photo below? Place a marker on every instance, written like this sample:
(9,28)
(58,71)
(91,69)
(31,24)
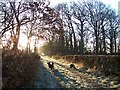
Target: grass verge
(19,69)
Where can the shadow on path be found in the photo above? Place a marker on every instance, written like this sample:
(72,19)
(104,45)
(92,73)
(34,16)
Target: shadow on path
(45,79)
(65,79)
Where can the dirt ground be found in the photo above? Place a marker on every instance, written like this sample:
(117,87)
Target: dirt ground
(63,76)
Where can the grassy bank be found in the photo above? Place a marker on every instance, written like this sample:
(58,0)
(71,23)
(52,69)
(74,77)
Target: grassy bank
(107,64)
(19,69)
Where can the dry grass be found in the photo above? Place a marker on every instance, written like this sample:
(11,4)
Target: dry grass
(107,64)
(18,69)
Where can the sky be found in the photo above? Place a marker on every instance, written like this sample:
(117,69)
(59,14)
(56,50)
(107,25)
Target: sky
(113,3)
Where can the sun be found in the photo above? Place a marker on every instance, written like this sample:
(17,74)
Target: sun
(23,42)
(41,42)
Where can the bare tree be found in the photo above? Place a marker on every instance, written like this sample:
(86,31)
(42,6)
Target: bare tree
(113,31)
(80,13)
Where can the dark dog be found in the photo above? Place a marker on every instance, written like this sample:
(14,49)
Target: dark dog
(51,65)
(72,66)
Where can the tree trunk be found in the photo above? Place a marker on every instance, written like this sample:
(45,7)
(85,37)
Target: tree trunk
(75,42)
(115,41)
(82,40)
(96,39)
(71,44)
(15,45)
(66,45)
(62,43)
(111,40)
(28,45)
(111,37)
(74,37)
(104,44)
(111,45)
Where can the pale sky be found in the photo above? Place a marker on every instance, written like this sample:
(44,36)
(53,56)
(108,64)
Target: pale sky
(112,3)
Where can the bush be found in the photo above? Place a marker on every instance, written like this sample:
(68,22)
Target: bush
(19,69)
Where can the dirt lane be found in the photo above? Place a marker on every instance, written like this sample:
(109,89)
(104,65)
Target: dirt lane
(45,79)
(74,78)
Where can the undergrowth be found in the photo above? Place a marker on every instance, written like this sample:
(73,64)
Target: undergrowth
(19,69)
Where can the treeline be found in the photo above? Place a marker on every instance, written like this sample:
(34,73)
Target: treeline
(33,19)
(89,28)
(69,28)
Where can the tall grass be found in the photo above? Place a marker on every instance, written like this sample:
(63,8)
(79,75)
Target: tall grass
(19,69)
(107,64)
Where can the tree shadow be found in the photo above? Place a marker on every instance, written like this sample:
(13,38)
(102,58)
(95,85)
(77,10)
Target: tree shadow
(65,79)
(72,82)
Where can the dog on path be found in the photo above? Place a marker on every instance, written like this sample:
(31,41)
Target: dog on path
(72,66)
(51,65)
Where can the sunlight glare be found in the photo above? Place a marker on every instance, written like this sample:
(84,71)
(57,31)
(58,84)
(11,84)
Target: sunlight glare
(22,42)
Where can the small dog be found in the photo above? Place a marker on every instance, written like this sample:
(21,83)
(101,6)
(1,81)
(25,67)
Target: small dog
(51,65)
(72,66)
